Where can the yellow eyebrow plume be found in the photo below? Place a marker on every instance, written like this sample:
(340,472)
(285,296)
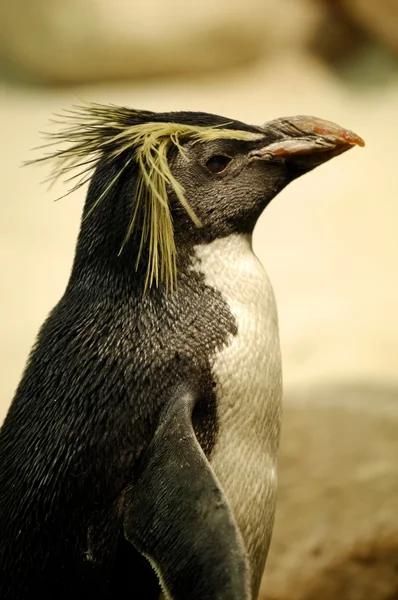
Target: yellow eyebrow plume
(96,132)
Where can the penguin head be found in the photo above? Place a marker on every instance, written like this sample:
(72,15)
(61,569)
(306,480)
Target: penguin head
(229,182)
(166,180)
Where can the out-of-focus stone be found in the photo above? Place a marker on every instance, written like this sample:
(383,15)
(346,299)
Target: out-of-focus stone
(336,532)
(379,19)
(97,40)
(338,36)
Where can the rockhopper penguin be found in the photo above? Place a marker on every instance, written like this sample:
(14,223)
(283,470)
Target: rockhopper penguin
(139,453)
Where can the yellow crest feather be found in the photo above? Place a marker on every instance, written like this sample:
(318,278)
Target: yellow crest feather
(96,131)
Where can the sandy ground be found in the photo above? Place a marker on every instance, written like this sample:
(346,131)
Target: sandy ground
(328,241)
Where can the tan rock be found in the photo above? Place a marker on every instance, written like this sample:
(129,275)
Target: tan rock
(336,532)
(379,18)
(338,36)
(91,40)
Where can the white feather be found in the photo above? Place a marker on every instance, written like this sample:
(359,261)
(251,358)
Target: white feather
(249,391)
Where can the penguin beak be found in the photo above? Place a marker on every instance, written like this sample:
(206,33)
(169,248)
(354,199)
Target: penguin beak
(305,142)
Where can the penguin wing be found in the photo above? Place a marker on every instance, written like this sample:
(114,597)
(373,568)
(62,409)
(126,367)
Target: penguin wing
(177,516)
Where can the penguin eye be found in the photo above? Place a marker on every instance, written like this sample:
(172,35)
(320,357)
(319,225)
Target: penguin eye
(218,163)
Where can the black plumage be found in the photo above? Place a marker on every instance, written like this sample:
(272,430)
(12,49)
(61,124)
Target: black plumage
(101,421)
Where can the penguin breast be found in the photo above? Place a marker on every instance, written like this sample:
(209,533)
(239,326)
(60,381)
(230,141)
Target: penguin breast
(248,375)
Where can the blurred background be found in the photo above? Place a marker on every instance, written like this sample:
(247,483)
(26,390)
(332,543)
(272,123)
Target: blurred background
(329,241)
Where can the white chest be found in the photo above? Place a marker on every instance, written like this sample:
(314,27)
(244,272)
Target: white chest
(249,390)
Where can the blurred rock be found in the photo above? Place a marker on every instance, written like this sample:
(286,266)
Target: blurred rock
(338,36)
(347,23)
(336,531)
(97,40)
(380,18)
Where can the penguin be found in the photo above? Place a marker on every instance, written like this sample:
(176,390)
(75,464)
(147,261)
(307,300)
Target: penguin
(138,456)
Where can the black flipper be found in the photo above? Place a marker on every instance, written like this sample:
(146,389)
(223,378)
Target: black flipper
(177,516)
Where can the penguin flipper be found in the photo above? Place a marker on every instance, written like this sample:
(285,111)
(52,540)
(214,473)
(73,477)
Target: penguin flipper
(177,516)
